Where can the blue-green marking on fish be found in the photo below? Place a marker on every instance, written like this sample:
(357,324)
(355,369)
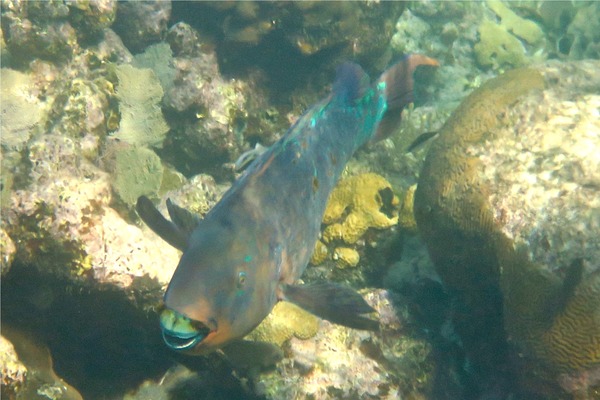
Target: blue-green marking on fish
(252,247)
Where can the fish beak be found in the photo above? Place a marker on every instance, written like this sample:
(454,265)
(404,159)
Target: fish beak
(181,333)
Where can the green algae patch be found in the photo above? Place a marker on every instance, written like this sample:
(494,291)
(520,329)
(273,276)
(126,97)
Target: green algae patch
(497,47)
(21,111)
(140,93)
(505,44)
(159,58)
(138,171)
(523,28)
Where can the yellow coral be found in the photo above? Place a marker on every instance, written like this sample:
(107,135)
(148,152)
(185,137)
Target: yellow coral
(362,199)
(346,257)
(406,216)
(320,253)
(285,321)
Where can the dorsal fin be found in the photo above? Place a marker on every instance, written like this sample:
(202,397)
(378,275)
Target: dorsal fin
(351,82)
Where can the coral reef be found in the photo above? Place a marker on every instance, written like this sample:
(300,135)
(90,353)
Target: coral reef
(159,58)
(343,363)
(208,114)
(517,214)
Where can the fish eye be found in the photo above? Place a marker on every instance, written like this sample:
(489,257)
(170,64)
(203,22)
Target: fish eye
(241,279)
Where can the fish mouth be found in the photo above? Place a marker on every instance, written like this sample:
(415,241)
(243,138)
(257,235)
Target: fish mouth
(181,333)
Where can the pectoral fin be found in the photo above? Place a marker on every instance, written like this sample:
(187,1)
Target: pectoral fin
(333,302)
(185,220)
(167,230)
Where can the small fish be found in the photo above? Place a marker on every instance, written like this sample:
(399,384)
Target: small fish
(247,157)
(252,247)
(421,140)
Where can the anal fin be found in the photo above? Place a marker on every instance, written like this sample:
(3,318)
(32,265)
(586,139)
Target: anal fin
(335,303)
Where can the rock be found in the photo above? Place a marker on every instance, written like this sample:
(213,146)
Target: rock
(303,29)
(139,24)
(339,362)
(13,370)
(63,224)
(29,369)
(508,205)
(38,30)
(7,252)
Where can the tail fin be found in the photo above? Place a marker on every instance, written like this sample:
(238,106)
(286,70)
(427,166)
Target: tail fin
(397,85)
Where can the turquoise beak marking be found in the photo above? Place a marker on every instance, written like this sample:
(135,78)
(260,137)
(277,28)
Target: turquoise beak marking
(179,332)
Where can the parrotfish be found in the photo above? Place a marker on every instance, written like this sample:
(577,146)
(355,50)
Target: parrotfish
(252,247)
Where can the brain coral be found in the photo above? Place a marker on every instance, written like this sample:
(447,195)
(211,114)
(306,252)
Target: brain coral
(358,203)
(507,201)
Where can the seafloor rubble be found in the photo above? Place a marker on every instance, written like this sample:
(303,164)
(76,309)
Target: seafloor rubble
(103,101)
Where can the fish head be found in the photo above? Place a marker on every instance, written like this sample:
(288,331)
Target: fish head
(216,295)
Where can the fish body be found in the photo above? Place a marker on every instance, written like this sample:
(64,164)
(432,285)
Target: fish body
(251,248)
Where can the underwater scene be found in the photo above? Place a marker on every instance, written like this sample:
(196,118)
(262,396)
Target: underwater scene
(300,200)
